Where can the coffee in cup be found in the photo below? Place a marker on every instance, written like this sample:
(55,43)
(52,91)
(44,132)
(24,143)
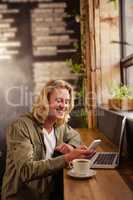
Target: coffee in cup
(81,166)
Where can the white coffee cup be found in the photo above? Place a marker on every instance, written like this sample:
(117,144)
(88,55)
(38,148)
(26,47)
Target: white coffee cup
(80,166)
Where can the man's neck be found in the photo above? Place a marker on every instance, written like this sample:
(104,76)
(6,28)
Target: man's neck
(49,123)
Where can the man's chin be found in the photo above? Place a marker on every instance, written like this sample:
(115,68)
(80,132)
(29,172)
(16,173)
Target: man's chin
(60,117)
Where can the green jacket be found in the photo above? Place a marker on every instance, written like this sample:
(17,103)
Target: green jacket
(28,175)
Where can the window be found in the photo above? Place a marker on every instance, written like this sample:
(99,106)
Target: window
(126,13)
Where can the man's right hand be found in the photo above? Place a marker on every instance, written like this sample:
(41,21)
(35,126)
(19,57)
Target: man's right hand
(80,152)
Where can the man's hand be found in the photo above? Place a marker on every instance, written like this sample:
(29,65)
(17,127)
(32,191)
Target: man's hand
(64,148)
(91,151)
(80,152)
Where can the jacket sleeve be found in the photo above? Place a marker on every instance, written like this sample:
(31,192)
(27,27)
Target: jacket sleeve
(20,154)
(72,137)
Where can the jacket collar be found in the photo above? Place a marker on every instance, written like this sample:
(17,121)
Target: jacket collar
(31,116)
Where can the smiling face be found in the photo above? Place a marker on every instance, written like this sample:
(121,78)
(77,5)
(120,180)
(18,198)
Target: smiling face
(59,103)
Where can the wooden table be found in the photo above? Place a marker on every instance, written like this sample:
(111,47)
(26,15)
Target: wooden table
(106,185)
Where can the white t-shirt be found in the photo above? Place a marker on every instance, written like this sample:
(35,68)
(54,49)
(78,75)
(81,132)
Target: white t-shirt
(50,142)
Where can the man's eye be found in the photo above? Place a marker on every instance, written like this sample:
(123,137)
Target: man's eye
(58,100)
(61,100)
(67,101)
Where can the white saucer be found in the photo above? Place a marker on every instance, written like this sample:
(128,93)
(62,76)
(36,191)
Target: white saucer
(89,174)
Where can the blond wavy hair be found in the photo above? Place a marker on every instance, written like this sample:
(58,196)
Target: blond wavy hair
(40,108)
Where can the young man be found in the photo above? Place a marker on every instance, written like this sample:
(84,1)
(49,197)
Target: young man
(32,140)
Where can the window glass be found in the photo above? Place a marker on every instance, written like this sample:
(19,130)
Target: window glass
(129,72)
(128,45)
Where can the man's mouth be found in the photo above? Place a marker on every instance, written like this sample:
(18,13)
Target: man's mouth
(60,110)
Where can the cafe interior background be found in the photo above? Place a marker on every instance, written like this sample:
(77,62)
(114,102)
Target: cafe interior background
(88,43)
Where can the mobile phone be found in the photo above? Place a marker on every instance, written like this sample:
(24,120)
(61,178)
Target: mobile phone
(94,144)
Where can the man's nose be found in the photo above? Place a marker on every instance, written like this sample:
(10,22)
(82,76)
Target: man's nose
(63,104)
